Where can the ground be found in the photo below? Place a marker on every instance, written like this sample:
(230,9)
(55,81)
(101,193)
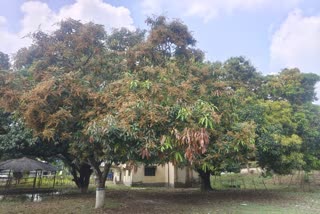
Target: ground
(161,200)
(234,193)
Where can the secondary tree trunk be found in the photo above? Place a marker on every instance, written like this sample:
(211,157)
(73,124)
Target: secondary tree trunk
(81,176)
(84,179)
(205,180)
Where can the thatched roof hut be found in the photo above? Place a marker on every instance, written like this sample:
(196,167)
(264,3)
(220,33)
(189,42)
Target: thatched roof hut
(17,167)
(25,165)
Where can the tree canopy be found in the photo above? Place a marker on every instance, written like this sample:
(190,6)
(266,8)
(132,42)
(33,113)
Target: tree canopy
(150,96)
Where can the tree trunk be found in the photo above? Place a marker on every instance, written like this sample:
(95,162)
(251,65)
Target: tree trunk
(81,176)
(205,180)
(85,173)
(101,181)
(100,193)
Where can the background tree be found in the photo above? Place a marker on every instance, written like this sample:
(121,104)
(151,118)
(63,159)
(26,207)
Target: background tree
(278,142)
(231,145)
(309,129)
(291,85)
(4,61)
(18,141)
(283,122)
(15,138)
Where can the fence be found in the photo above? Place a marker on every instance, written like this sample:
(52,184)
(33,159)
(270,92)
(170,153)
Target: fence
(298,180)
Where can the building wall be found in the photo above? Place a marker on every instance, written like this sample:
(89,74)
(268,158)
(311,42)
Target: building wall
(186,177)
(165,175)
(127,177)
(181,174)
(117,174)
(160,178)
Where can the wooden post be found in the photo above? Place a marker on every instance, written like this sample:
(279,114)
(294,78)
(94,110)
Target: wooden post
(54,179)
(255,188)
(290,180)
(35,179)
(8,180)
(40,179)
(34,185)
(244,184)
(264,184)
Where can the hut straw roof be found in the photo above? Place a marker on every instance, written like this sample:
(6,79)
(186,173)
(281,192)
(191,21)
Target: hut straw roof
(25,165)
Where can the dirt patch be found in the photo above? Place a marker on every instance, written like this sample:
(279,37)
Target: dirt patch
(192,201)
(161,200)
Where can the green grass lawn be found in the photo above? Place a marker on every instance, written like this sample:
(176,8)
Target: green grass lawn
(270,197)
(162,200)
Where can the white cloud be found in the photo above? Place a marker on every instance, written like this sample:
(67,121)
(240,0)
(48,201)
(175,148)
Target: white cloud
(153,6)
(3,21)
(38,15)
(98,12)
(209,9)
(9,41)
(296,44)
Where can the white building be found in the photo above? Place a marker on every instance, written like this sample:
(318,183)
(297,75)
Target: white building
(167,175)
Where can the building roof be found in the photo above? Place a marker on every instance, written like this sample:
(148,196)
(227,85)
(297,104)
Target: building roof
(25,165)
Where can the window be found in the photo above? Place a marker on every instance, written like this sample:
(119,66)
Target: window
(150,171)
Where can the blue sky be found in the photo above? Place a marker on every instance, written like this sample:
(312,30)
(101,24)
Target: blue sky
(273,34)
